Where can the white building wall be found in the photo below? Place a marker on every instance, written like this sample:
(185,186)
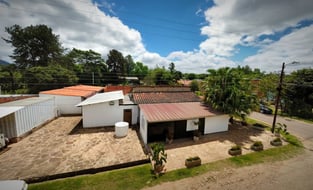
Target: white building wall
(66,105)
(143,128)
(216,124)
(102,114)
(33,115)
(7,126)
(134,109)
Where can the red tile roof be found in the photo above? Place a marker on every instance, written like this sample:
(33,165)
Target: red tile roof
(175,111)
(70,92)
(125,89)
(164,97)
(161,89)
(87,87)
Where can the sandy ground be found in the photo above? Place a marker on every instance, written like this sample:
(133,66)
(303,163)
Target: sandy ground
(295,173)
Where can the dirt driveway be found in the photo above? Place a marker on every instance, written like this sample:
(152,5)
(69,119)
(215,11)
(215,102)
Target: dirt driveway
(59,147)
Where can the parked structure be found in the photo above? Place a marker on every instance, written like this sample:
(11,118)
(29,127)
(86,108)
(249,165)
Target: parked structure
(107,108)
(17,118)
(67,98)
(174,112)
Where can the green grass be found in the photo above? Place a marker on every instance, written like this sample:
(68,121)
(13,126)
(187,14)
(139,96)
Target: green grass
(141,176)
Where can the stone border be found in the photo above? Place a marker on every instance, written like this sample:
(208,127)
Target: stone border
(86,171)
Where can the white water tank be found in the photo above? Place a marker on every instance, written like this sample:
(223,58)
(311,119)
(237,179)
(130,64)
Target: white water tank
(121,129)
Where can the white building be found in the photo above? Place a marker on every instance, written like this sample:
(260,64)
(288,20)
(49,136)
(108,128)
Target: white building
(17,118)
(106,109)
(182,119)
(67,98)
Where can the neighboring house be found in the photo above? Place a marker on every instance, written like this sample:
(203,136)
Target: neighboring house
(67,98)
(107,108)
(174,112)
(17,118)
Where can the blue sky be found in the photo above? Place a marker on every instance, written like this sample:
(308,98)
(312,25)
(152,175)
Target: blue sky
(194,34)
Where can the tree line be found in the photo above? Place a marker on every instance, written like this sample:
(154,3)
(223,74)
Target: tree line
(41,63)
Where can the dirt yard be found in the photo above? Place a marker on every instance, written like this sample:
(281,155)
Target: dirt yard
(295,173)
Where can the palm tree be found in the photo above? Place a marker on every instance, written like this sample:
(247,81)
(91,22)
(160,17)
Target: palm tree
(227,91)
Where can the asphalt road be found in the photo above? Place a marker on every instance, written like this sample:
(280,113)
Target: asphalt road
(301,129)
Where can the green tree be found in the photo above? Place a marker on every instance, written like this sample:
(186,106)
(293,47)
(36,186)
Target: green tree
(227,91)
(90,66)
(140,70)
(11,78)
(50,77)
(268,85)
(129,65)
(297,94)
(171,67)
(194,86)
(33,45)
(116,62)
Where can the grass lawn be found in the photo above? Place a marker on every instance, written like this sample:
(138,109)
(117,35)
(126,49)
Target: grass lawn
(141,176)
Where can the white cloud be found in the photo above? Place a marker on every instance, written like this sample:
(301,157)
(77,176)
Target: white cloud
(297,46)
(79,24)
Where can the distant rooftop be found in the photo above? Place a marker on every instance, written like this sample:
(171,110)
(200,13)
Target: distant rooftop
(161,89)
(25,102)
(78,90)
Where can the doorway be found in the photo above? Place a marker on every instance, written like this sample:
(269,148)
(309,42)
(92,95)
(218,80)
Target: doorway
(128,116)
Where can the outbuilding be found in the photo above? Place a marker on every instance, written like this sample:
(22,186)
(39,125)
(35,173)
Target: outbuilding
(67,98)
(178,120)
(17,118)
(105,109)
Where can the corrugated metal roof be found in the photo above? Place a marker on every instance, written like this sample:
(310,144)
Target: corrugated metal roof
(175,111)
(26,102)
(86,87)
(103,97)
(4,111)
(164,97)
(70,92)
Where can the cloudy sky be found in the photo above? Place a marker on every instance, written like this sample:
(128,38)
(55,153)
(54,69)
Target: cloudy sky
(194,34)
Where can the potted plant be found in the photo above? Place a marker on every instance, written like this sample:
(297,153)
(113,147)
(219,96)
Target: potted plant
(196,135)
(276,142)
(158,157)
(257,146)
(193,162)
(235,150)
(258,126)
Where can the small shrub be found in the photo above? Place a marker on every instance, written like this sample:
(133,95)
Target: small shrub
(235,147)
(277,139)
(257,146)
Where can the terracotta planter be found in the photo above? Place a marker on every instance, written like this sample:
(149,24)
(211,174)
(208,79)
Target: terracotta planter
(189,163)
(158,168)
(235,152)
(257,147)
(276,143)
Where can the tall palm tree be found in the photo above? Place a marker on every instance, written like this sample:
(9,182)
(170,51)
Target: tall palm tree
(227,91)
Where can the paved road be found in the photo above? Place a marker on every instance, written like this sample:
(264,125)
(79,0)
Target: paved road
(301,129)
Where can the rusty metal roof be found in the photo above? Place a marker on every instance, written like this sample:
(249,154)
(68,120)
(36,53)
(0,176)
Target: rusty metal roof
(175,111)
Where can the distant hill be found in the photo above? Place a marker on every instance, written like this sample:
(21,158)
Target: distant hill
(2,62)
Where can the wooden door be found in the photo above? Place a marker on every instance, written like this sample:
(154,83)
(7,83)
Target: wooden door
(128,116)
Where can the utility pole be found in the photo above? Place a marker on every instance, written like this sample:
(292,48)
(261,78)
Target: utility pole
(279,89)
(93,78)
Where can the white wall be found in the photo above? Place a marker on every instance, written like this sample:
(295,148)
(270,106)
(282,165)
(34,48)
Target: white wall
(102,114)
(33,115)
(191,125)
(134,109)
(7,126)
(66,104)
(143,128)
(216,124)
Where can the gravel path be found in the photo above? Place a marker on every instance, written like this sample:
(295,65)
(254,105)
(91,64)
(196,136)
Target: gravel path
(295,173)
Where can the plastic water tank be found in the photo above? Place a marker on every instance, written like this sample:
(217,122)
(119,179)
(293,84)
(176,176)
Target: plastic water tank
(121,129)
